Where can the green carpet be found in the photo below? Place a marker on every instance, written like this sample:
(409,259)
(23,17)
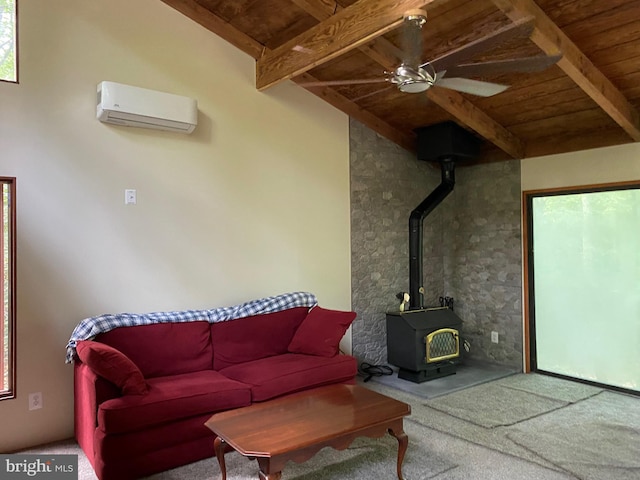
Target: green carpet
(588,438)
(494,406)
(588,432)
(550,387)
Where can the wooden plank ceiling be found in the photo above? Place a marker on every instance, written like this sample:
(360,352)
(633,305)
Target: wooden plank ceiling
(590,98)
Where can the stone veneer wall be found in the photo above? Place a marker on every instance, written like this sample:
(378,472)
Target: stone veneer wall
(483,259)
(471,246)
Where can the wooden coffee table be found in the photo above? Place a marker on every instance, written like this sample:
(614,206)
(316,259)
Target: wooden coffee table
(295,427)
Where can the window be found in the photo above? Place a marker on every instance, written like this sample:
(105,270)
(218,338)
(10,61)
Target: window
(8,40)
(7,290)
(584,283)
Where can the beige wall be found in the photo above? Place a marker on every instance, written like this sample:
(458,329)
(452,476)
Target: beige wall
(254,203)
(600,165)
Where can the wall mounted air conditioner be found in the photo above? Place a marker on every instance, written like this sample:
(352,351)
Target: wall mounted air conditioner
(139,107)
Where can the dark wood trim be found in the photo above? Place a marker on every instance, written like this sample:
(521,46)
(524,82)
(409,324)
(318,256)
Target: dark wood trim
(2,319)
(586,188)
(17,56)
(11,392)
(525,295)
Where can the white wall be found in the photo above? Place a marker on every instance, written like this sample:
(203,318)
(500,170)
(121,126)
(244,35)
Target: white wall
(600,165)
(254,203)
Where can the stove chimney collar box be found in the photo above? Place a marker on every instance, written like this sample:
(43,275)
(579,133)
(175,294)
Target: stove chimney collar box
(446,141)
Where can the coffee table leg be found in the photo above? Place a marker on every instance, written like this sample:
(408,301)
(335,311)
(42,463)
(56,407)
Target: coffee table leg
(270,476)
(403,442)
(220,447)
(265,466)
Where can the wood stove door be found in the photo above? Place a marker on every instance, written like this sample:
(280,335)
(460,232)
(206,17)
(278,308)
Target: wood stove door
(442,344)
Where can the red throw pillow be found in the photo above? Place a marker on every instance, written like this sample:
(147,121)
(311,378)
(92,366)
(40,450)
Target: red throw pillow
(321,331)
(113,365)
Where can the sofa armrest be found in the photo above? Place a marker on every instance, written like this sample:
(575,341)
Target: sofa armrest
(89,391)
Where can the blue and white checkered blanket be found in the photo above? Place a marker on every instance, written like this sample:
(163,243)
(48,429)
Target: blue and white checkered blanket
(90,327)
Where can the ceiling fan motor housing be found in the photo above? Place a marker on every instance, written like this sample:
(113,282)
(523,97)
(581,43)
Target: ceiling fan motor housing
(446,141)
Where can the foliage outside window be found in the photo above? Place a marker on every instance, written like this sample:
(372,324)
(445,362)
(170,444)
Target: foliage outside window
(7,289)
(8,41)
(584,283)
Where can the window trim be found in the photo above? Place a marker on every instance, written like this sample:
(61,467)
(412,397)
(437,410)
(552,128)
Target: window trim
(10,392)
(530,351)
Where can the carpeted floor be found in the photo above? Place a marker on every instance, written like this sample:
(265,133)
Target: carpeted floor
(516,427)
(584,431)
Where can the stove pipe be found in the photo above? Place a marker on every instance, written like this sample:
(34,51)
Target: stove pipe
(445,143)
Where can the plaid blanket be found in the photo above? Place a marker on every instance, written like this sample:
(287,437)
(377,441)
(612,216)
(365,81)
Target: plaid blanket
(90,327)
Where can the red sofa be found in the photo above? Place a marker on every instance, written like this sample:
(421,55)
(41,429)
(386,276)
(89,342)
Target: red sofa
(143,393)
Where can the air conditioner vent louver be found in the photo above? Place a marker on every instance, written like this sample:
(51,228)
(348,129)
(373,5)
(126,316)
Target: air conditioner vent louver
(122,118)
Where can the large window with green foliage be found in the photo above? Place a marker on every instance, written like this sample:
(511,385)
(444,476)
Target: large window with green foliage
(8,40)
(7,289)
(584,288)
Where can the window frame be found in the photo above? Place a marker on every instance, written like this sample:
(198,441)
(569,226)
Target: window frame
(16,48)
(10,391)
(530,348)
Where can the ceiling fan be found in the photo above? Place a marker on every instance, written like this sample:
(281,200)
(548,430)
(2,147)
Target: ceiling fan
(450,70)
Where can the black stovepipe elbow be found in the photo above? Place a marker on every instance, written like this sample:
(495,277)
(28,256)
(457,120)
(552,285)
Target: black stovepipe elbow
(416,289)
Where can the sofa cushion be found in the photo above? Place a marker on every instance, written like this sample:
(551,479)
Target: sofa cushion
(321,331)
(172,398)
(112,365)
(251,338)
(163,349)
(290,372)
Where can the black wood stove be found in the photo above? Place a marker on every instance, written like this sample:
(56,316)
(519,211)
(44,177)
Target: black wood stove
(425,342)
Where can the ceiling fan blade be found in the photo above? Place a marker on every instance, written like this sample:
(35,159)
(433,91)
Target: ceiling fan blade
(371,94)
(334,83)
(523,65)
(499,37)
(474,87)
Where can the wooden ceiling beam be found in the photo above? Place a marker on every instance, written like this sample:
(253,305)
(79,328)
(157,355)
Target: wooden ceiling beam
(217,25)
(329,95)
(379,51)
(318,9)
(552,40)
(382,51)
(351,27)
(478,120)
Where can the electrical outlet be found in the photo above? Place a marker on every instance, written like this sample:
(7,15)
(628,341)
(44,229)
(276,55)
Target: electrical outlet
(494,337)
(35,401)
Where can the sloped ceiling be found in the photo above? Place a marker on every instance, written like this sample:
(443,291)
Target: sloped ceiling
(589,98)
